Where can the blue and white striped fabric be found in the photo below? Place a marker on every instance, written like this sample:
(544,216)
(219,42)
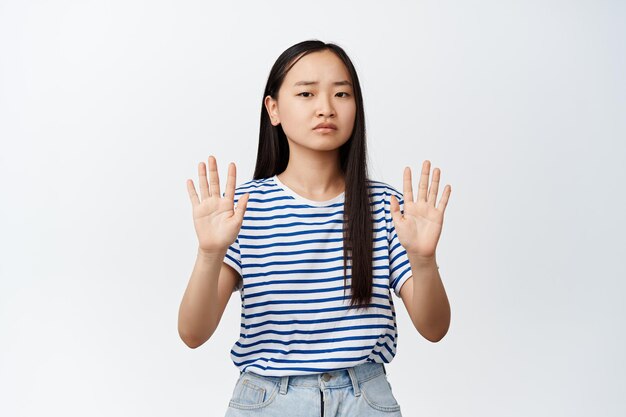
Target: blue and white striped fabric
(295,319)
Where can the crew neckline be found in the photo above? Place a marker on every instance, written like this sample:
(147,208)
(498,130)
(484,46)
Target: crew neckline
(301,199)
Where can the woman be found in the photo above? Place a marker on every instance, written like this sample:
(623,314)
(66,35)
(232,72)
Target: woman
(315,226)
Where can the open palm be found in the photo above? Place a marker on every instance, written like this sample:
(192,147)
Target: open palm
(216,220)
(420,227)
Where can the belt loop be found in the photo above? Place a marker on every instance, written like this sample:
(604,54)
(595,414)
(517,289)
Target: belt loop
(284,382)
(355,382)
(384,370)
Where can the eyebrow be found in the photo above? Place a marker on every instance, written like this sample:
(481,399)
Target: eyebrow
(344,82)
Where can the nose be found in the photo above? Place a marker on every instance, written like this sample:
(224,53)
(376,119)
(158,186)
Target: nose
(325,106)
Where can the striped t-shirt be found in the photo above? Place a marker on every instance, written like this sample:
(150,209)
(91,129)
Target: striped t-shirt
(295,319)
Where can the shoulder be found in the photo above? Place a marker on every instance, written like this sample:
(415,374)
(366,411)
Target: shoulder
(253,187)
(380,190)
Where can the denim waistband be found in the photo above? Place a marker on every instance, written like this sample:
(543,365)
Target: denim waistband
(338,378)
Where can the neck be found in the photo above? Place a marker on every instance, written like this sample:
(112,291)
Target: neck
(319,176)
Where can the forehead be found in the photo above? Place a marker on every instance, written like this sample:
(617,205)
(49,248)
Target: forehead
(322,66)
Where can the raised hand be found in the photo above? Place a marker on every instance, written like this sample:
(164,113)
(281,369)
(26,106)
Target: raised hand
(215,219)
(419,229)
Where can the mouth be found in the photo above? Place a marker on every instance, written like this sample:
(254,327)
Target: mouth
(325,127)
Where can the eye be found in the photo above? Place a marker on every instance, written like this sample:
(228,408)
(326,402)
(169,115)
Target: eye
(304,92)
(343,92)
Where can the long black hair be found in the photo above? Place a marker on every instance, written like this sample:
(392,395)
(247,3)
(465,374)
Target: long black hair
(273,157)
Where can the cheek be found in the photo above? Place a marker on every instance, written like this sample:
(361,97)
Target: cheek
(294,112)
(350,111)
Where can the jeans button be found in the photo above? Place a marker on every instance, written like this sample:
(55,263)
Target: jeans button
(326,377)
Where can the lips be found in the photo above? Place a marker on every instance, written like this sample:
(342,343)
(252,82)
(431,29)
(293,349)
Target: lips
(326,125)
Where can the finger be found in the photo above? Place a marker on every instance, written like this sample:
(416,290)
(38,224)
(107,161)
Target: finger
(214,179)
(242,204)
(396,214)
(191,190)
(443,202)
(231,181)
(204,185)
(434,187)
(423,184)
(407,185)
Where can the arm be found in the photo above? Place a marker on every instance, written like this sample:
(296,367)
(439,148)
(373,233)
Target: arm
(217,222)
(208,291)
(418,228)
(425,299)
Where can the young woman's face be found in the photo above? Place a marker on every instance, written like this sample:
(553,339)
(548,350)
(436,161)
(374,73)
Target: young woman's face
(317,89)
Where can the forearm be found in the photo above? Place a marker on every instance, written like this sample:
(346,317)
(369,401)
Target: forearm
(429,298)
(197,316)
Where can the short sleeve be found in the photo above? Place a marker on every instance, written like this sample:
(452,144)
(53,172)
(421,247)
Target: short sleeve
(399,266)
(233,259)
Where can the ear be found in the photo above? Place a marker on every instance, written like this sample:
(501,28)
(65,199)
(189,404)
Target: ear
(271,106)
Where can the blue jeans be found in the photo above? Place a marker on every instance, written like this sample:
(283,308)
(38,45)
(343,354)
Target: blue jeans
(360,391)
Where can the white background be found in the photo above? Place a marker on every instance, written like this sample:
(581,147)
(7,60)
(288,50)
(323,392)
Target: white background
(106,108)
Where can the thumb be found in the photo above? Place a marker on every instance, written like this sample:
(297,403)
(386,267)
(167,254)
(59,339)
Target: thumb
(396,215)
(242,204)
